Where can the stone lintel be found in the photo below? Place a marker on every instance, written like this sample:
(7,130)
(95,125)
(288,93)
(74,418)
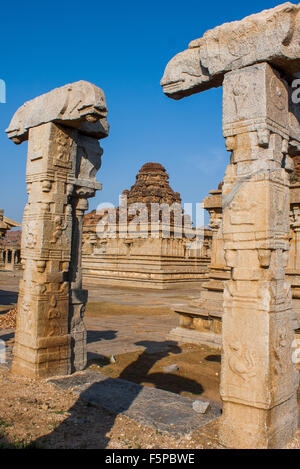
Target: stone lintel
(269,36)
(80,105)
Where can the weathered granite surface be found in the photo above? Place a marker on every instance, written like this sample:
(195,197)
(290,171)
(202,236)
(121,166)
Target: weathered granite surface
(269,36)
(80,105)
(255,60)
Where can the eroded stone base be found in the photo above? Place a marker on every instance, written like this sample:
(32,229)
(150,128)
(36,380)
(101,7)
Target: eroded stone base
(244,427)
(51,357)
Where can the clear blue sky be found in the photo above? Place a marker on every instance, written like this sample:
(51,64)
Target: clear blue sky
(122,47)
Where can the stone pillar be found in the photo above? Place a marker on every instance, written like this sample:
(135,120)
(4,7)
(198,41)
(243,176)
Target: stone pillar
(13,260)
(200,319)
(63,128)
(293,270)
(259,380)
(79,296)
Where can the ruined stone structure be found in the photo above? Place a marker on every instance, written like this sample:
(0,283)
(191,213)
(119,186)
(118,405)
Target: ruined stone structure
(62,128)
(10,251)
(200,319)
(166,258)
(254,59)
(6,224)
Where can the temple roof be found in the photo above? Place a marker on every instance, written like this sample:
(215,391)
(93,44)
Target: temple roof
(151,186)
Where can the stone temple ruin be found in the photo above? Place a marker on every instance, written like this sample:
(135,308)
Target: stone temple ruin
(10,254)
(164,259)
(10,251)
(255,61)
(62,128)
(6,224)
(200,321)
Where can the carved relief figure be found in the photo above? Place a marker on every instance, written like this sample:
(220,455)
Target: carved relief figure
(241,361)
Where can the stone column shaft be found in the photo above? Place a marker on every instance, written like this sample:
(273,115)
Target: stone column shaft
(259,380)
(42,340)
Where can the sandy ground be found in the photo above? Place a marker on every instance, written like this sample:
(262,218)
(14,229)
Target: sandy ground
(36,414)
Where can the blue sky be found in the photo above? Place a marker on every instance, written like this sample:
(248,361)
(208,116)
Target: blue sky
(122,47)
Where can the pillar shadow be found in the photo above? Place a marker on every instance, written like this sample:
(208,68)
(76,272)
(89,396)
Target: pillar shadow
(8,336)
(138,371)
(90,422)
(214,358)
(95,336)
(8,297)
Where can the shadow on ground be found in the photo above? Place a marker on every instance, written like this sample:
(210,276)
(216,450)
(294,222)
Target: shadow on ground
(8,336)
(95,336)
(138,371)
(8,297)
(99,422)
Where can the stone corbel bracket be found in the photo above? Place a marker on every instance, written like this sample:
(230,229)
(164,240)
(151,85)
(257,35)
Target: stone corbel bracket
(80,105)
(270,36)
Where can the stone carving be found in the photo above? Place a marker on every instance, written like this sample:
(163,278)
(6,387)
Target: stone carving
(63,127)
(254,59)
(80,105)
(54,317)
(242,362)
(30,235)
(60,227)
(270,36)
(282,351)
(26,315)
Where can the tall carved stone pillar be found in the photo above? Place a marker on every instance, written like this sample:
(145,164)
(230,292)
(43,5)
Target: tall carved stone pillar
(79,296)
(259,380)
(293,269)
(62,128)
